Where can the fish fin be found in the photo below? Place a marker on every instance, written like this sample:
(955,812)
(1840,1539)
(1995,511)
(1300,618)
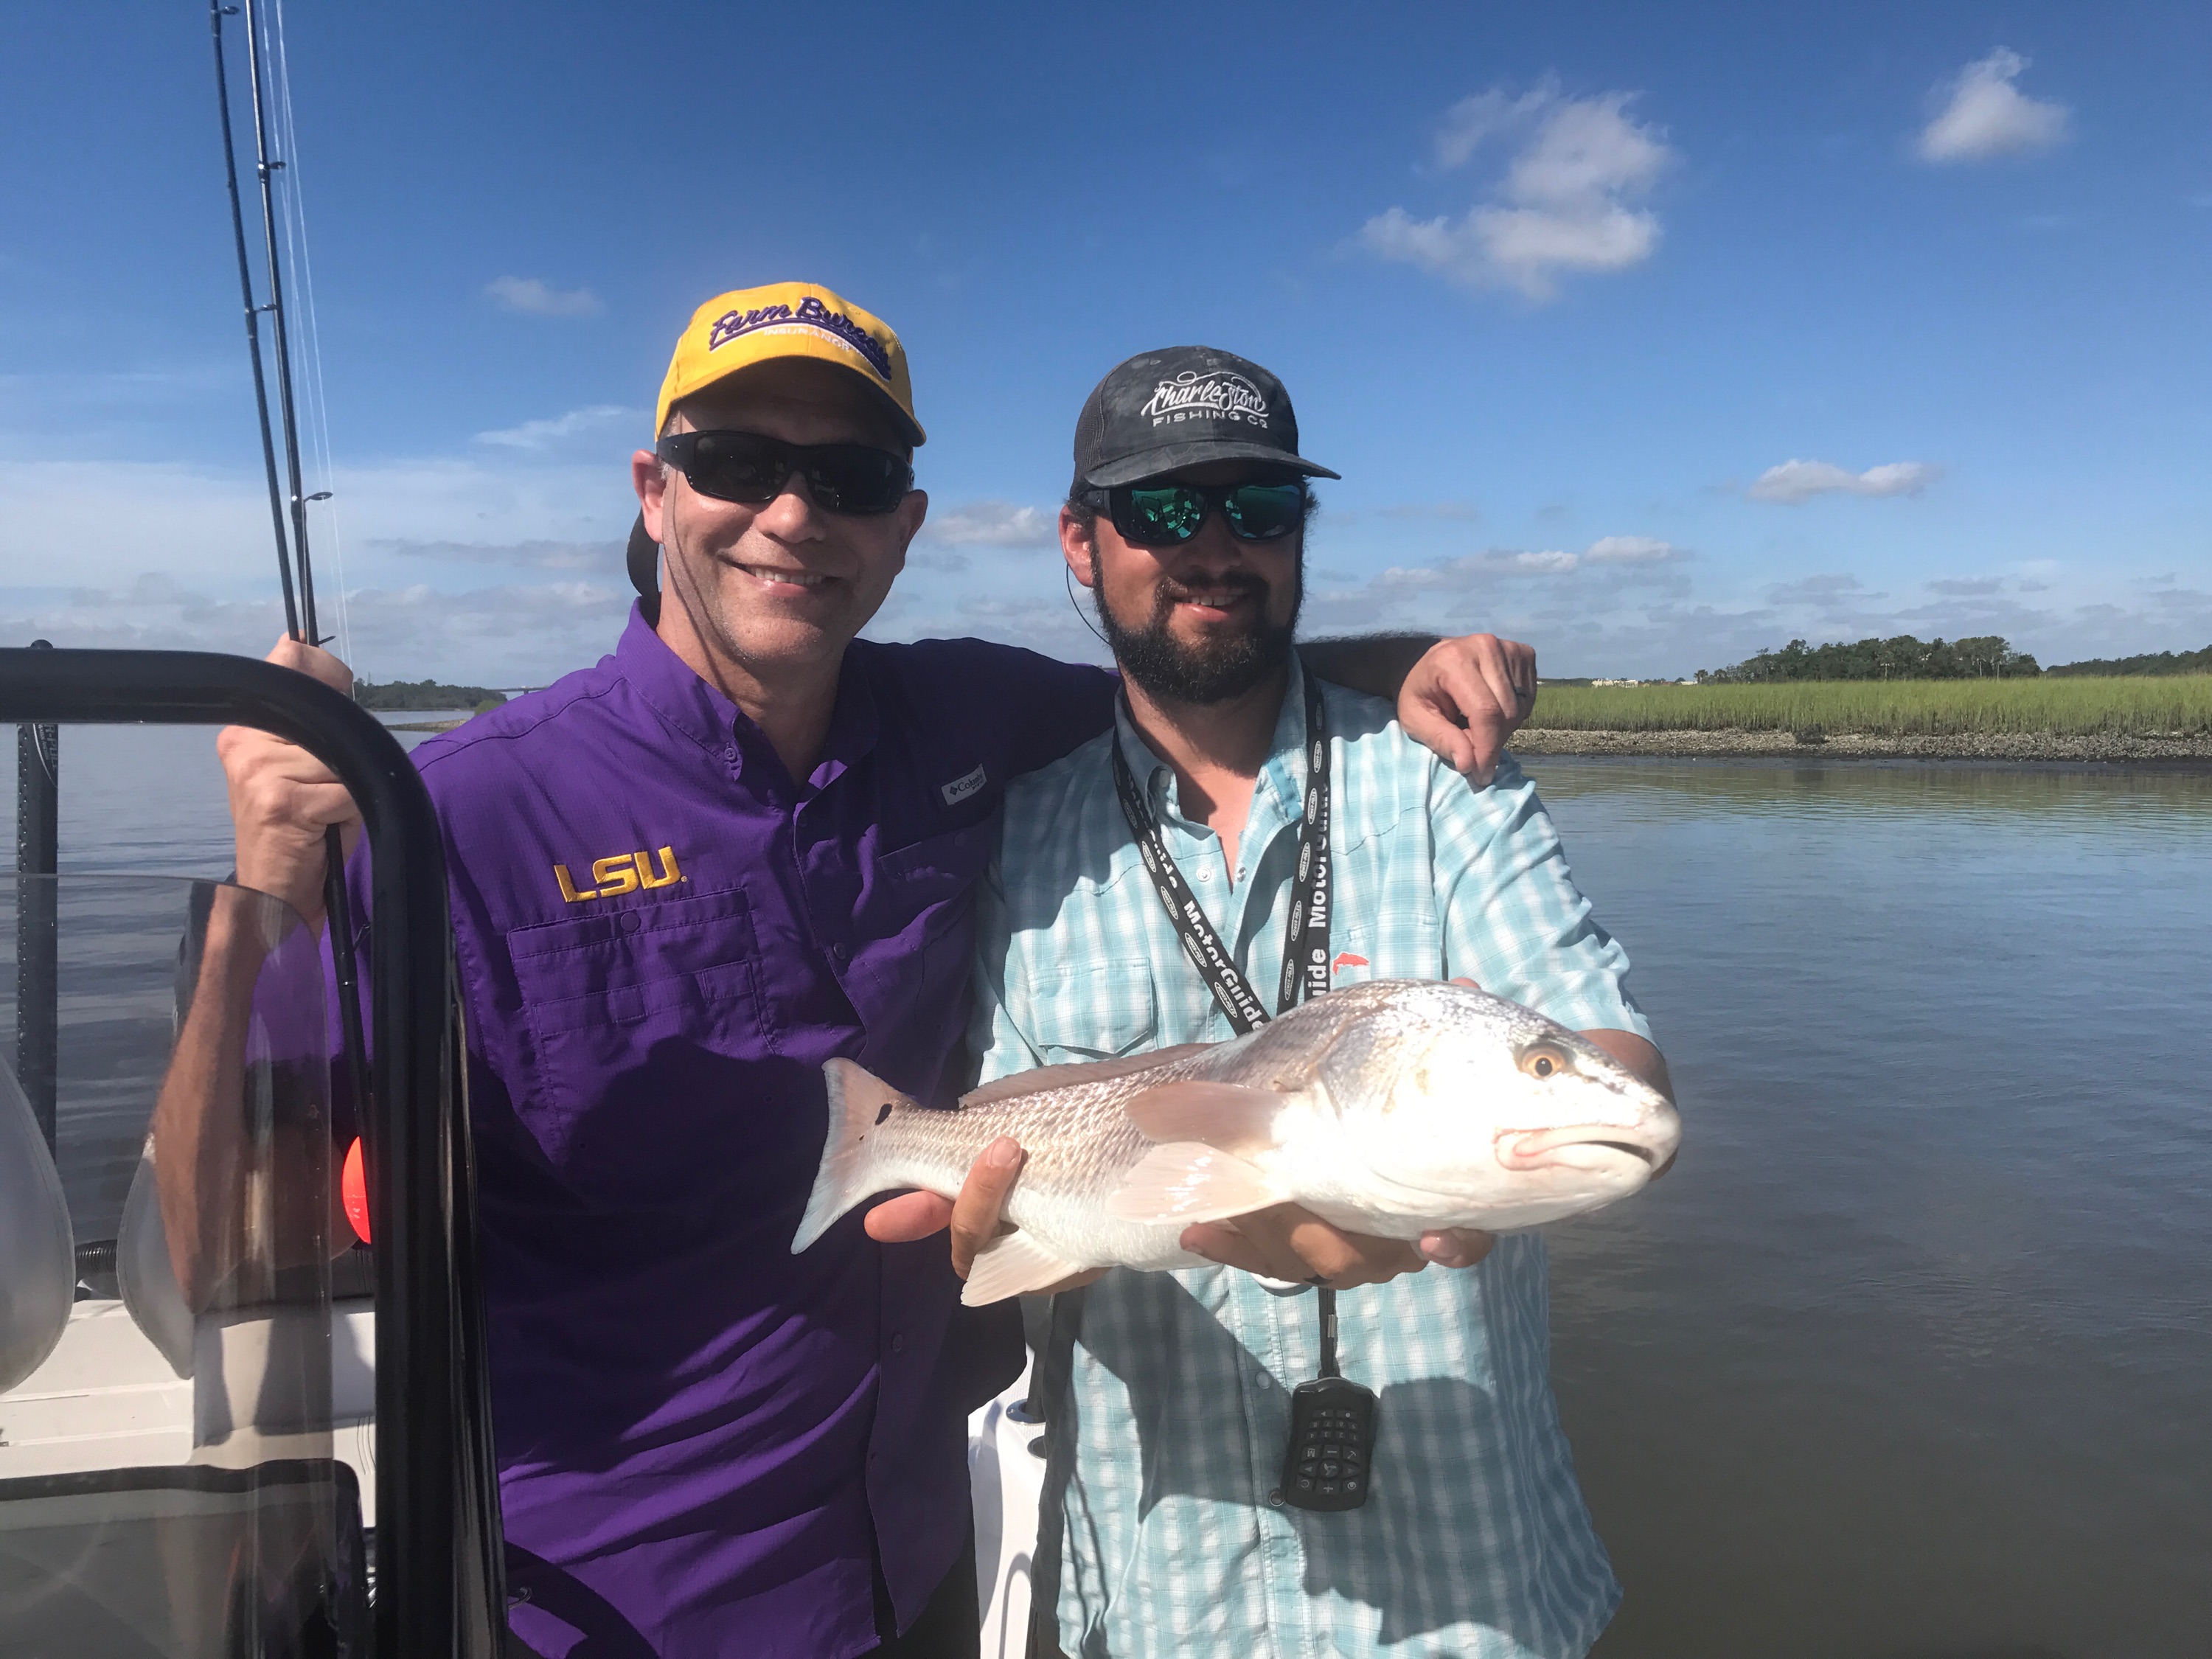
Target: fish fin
(1227,1116)
(859,1101)
(1069,1076)
(1184,1181)
(1013,1264)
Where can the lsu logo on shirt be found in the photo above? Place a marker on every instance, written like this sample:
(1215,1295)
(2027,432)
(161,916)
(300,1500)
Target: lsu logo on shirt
(622,873)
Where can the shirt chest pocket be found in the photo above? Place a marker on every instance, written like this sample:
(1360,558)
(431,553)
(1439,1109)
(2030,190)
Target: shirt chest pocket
(621,965)
(612,997)
(909,881)
(1099,1010)
(923,896)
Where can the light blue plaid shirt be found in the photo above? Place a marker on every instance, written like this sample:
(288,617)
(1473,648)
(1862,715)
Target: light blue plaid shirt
(1475,1541)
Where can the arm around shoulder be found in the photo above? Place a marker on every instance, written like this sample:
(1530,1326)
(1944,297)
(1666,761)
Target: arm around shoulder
(1460,698)
(1040,708)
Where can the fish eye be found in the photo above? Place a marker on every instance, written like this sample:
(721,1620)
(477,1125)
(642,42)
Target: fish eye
(1541,1059)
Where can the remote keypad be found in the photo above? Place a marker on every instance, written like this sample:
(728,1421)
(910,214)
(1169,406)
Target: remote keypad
(1330,1463)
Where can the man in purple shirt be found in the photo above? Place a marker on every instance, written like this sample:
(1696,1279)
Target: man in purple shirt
(742,845)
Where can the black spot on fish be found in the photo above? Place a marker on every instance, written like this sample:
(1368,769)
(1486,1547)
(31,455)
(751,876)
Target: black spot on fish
(882,1117)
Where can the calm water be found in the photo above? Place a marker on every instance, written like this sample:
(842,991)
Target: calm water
(146,800)
(1911,1354)
(1910,1358)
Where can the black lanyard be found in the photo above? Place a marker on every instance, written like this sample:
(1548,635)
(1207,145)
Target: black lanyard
(1330,1455)
(1305,941)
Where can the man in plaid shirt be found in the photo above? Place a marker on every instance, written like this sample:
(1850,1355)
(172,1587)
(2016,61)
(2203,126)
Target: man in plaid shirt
(1167,1396)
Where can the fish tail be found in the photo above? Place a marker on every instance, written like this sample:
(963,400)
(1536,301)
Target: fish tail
(859,1101)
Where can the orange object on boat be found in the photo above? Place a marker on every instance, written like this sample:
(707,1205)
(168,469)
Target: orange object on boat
(353,1190)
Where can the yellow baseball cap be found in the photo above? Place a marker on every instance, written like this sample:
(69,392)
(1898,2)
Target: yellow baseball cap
(750,326)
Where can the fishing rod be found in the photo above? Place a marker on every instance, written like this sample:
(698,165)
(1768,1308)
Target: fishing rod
(300,620)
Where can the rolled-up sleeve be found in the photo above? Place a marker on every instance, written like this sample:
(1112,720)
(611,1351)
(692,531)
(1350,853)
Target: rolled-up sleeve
(1514,921)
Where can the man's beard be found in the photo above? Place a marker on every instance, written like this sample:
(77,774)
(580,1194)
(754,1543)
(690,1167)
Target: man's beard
(1200,675)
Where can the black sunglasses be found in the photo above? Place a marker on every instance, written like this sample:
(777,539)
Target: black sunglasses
(744,466)
(1167,515)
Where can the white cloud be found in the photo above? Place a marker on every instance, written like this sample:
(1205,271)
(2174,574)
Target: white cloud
(124,515)
(1551,562)
(562,428)
(1566,202)
(1485,114)
(1830,591)
(507,635)
(522,555)
(1986,115)
(1631,549)
(992,524)
(535,298)
(1446,590)
(406,520)
(1793,482)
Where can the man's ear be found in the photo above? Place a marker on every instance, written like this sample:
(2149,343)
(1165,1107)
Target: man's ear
(1076,545)
(650,479)
(914,511)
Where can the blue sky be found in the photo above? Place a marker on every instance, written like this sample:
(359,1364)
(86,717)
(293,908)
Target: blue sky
(1651,335)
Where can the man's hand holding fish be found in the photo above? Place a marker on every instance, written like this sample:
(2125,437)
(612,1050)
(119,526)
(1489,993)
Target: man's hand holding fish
(1285,1243)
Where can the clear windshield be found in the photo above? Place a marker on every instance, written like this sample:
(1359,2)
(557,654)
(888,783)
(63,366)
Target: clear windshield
(185,1343)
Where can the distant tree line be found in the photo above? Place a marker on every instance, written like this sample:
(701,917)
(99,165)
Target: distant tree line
(1903,658)
(424,694)
(2160,662)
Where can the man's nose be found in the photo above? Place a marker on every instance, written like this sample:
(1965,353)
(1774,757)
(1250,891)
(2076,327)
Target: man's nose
(1213,548)
(793,514)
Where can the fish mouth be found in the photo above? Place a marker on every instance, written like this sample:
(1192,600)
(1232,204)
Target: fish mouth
(1540,1149)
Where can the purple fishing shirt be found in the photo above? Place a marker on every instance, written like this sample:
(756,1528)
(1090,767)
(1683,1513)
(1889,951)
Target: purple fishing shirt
(704,1441)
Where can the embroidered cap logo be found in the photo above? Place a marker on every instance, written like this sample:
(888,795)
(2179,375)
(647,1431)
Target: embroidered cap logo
(811,313)
(1219,396)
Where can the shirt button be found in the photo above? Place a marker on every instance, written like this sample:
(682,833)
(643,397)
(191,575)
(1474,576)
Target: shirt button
(839,954)
(1206,872)
(898,1345)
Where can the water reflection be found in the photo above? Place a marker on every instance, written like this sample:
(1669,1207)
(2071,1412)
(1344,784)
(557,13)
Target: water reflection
(1641,791)
(1909,1355)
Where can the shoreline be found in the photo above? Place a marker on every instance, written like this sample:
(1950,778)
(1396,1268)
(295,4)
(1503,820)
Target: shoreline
(1737,743)
(1734,742)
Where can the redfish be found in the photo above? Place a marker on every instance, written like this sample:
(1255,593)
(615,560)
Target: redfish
(1390,1108)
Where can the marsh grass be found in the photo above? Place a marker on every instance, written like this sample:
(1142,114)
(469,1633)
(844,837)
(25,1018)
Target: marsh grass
(2171,706)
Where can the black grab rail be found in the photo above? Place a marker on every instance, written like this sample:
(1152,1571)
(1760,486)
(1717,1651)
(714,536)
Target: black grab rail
(441,1583)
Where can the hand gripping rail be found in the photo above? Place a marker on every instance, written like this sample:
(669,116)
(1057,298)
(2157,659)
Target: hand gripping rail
(440,1580)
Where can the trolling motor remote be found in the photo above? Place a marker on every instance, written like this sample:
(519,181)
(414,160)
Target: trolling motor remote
(1331,1460)
(1330,1463)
